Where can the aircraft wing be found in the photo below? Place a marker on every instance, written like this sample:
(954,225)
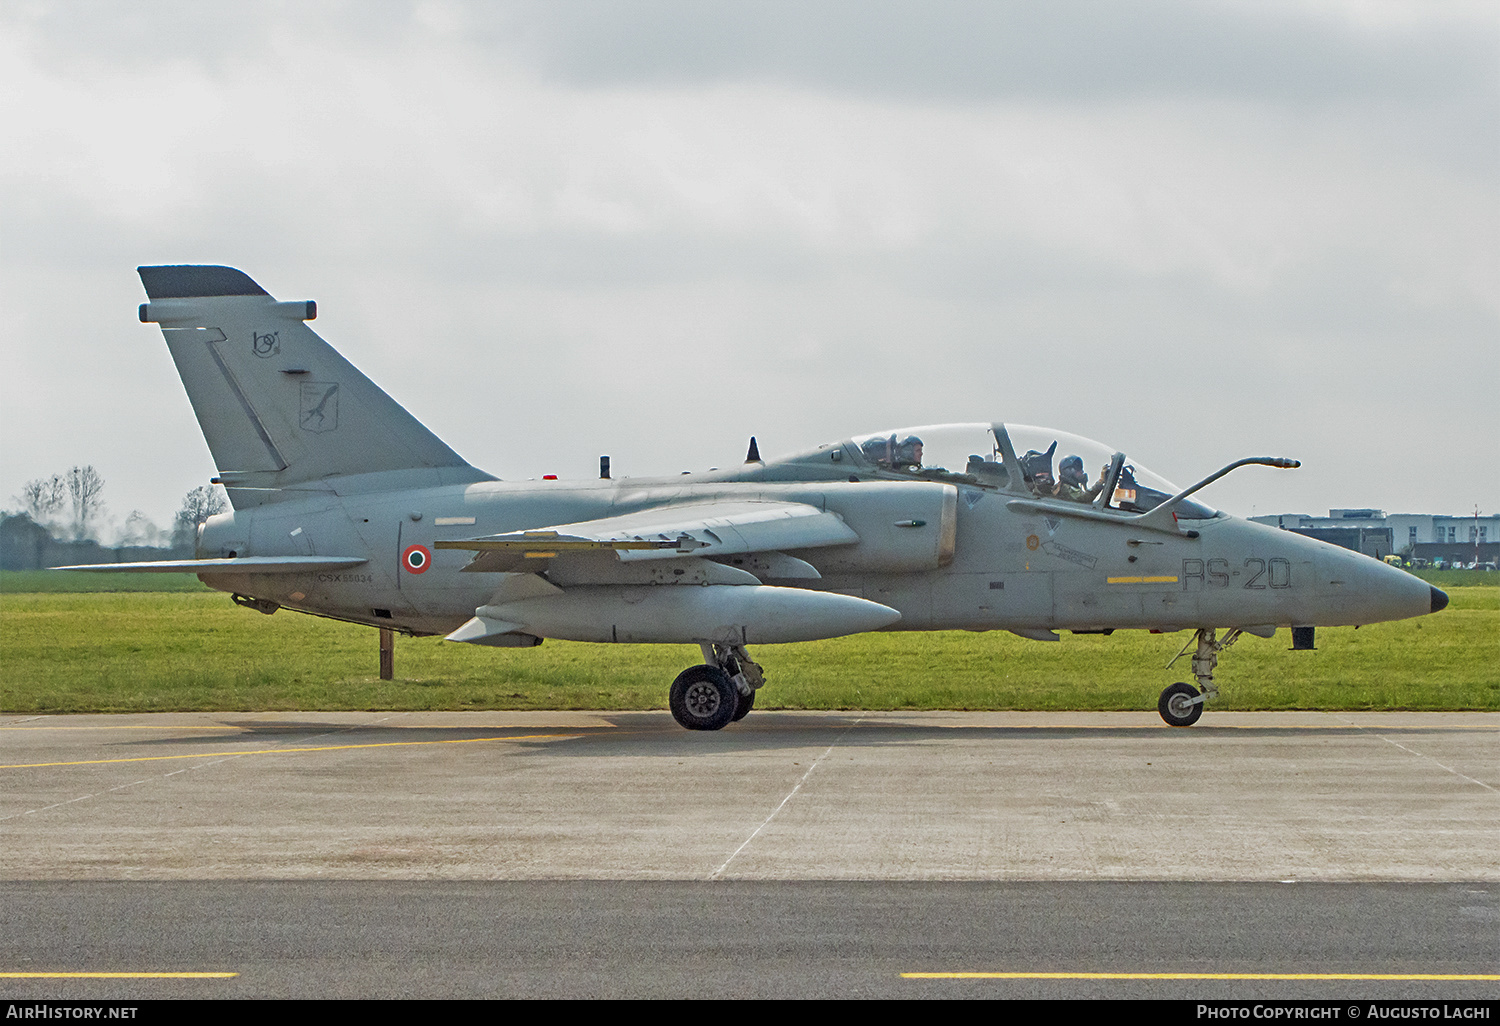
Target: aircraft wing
(709,529)
(235,565)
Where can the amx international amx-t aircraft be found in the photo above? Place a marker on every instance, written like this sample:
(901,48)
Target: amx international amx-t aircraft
(345,506)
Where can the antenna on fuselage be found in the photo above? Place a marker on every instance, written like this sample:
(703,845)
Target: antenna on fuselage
(753,456)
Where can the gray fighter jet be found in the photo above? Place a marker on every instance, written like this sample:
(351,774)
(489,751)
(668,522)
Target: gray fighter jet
(345,506)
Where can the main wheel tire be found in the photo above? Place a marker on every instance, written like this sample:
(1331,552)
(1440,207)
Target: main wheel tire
(747,702)
(1177,707)
(703,698)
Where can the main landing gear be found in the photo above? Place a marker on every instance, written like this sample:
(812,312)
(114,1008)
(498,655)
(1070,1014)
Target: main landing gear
(1181,704)
(719,692)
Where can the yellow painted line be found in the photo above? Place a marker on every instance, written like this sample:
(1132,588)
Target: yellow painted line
(116,976)
(1140,580)
(1442,977)
(249,725)
(140,726)
(1386,727)
(283,751)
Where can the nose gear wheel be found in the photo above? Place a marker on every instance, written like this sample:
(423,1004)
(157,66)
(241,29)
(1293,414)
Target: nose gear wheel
(1180,705)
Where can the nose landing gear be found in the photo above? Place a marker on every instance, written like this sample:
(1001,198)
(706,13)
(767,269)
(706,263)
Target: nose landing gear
(719,692)
(1181,704)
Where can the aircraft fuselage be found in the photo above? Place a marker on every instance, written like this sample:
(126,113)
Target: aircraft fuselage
(1000,569)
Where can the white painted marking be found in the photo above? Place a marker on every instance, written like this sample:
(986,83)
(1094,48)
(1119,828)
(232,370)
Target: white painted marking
(1430,759)
(719,872)
(1422,755)
(55,805)
(200,765)
(70,801)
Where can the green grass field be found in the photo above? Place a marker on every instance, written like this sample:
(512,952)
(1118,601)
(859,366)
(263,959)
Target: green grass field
(49,582)
(191,649)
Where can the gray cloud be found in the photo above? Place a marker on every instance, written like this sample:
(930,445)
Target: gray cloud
(555,230)
(982,49)
(956,50)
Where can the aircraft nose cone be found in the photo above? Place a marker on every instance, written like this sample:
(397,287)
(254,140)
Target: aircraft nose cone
(1439,600)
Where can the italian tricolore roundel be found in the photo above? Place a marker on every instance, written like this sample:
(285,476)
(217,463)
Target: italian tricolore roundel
(416,558)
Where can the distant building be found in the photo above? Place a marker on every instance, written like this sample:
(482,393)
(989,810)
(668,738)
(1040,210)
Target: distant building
(27,545)
(1428,536)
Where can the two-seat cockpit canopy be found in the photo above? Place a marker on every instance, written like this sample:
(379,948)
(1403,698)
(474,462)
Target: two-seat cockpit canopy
(1027,461)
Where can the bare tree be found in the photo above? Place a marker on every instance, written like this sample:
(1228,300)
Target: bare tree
(140,530)
(43,498)
(197,506)
(85,487)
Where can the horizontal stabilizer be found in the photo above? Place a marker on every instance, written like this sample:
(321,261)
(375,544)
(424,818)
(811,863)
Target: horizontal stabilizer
(237,565)
(705,529)
(194,281)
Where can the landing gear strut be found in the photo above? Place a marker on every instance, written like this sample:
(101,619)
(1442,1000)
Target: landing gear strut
(719,692)
(1181,704)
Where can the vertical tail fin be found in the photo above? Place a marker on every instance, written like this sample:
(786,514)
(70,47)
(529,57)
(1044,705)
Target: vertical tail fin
(277,405)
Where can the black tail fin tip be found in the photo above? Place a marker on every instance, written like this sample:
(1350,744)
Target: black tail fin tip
(195,281)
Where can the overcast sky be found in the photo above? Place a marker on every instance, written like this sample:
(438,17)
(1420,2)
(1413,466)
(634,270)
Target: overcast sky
(1194,231)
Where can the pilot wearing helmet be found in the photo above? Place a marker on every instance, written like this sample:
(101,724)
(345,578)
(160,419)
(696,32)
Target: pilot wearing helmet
(1073,483)
(878,450)
(890,454)
(907,454)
